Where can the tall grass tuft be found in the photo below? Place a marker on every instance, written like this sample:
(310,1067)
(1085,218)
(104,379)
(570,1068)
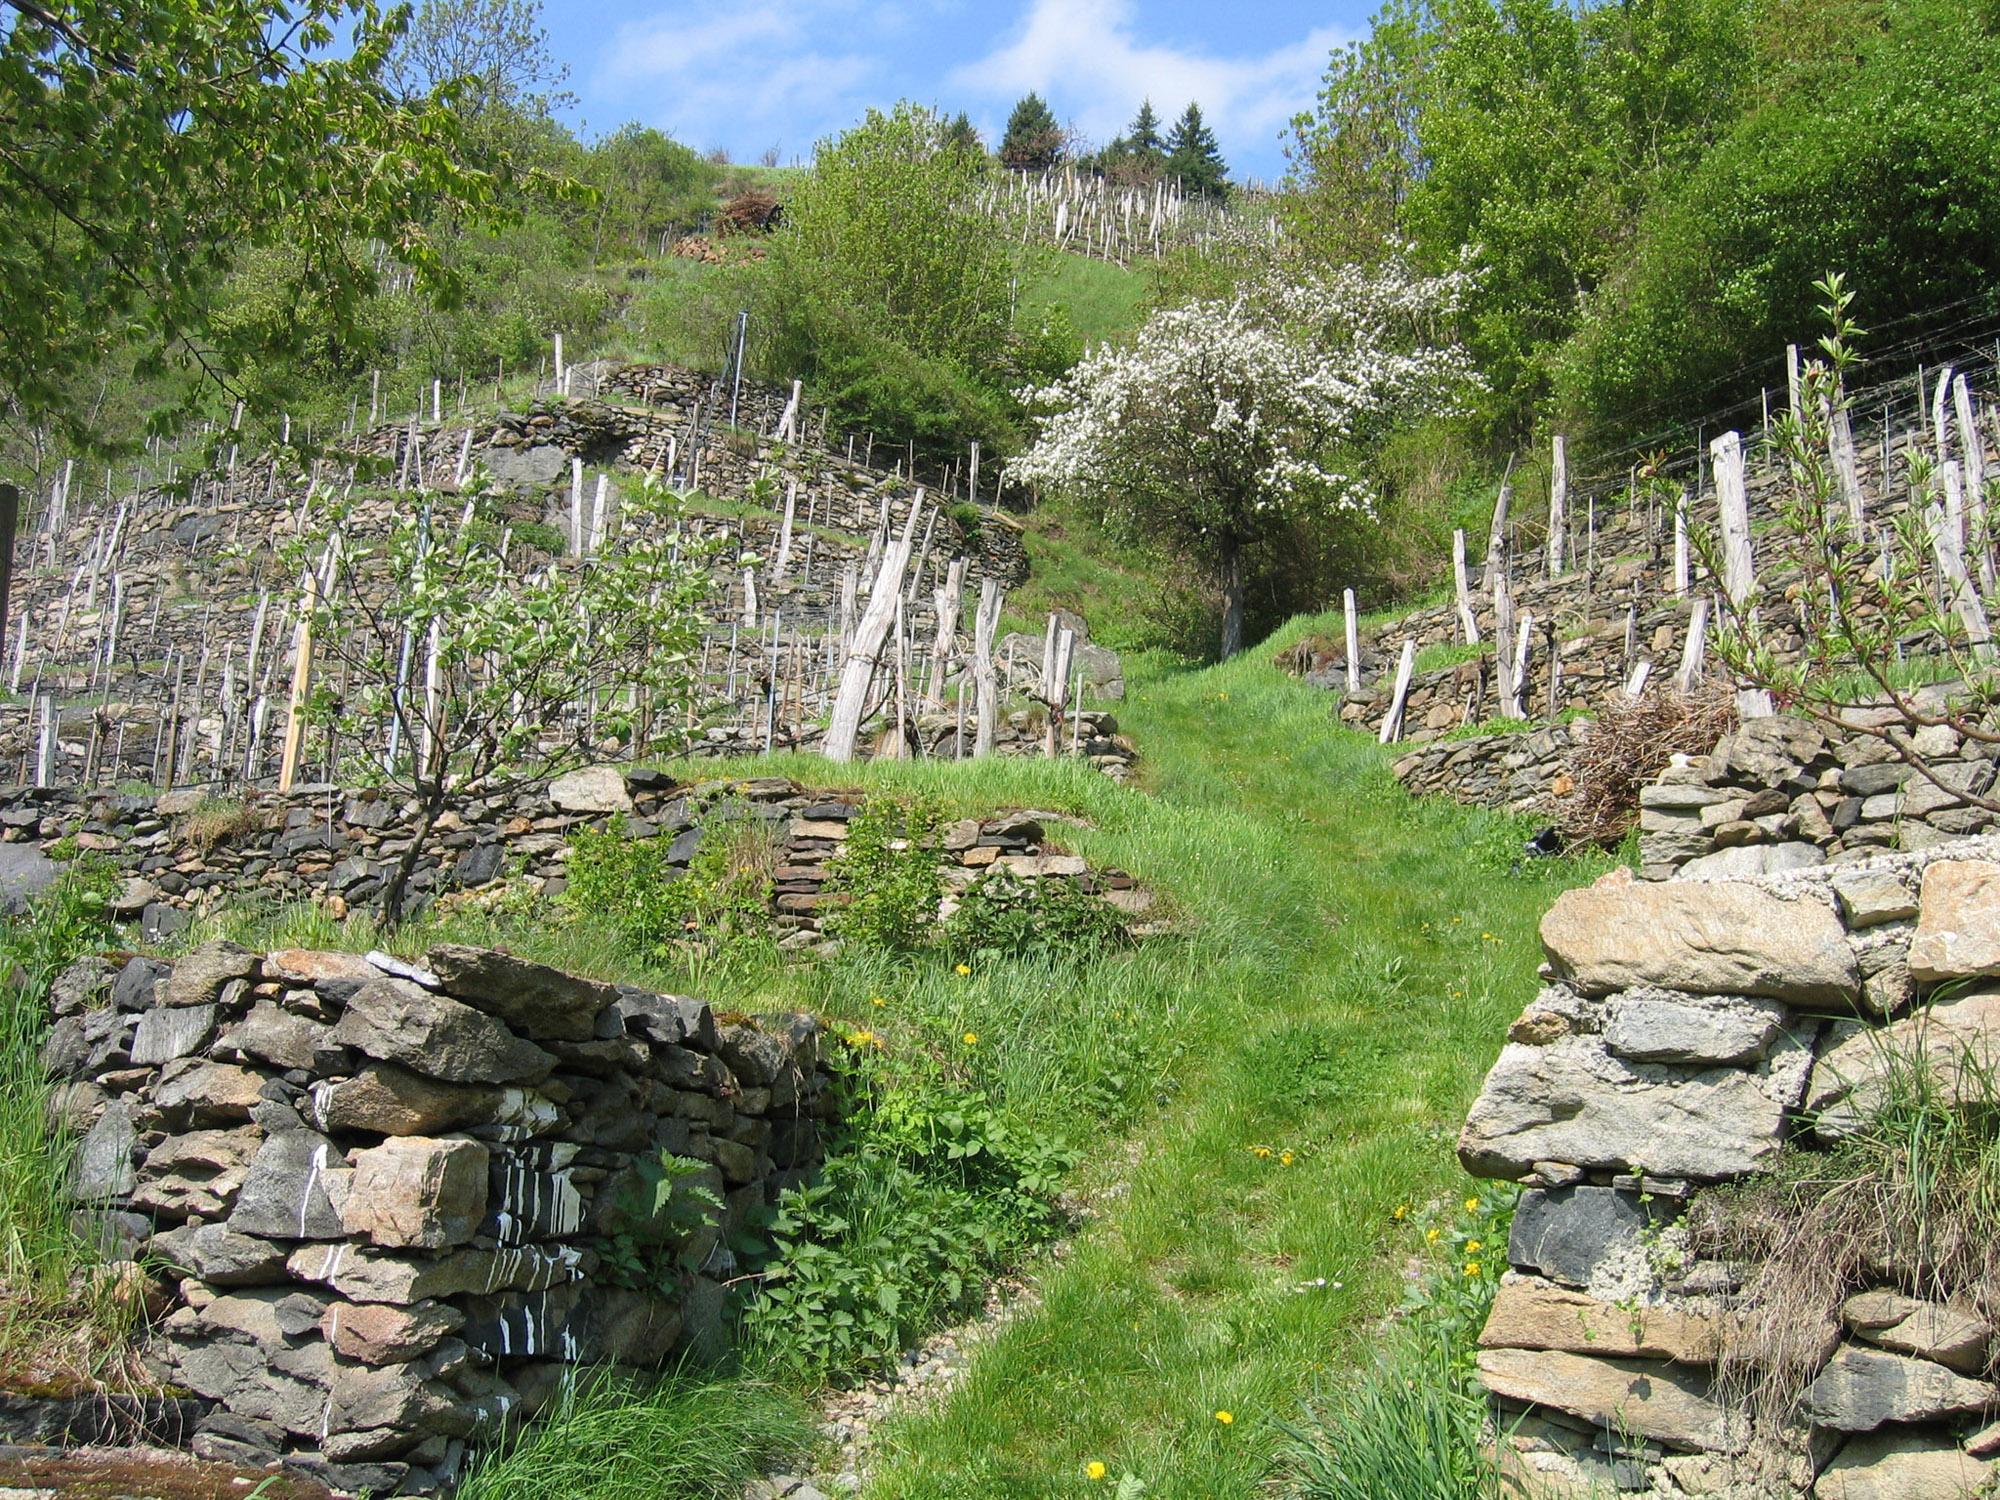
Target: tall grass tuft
(610,1438)
(1408,1427)
(44,1318)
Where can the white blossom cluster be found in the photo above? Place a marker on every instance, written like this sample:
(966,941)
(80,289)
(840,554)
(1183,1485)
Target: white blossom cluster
(1231,411)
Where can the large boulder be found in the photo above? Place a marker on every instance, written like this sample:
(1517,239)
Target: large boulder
(393,1020)
(1720,938)
(594,789)
(542,1002)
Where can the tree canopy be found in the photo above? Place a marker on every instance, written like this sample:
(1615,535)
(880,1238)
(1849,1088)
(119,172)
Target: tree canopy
(151,143)
(1034,141)
(1194,158)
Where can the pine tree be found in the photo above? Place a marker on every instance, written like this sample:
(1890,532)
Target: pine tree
(1144,136)
(959,135)
(1194,158)
(1033,142)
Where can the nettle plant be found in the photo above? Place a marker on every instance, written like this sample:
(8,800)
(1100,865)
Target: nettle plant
(1224,420)
(1893,614)
(448,670)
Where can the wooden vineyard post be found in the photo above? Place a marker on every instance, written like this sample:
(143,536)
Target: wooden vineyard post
(1558,504)
(1680,543)
(1739,567)
(1948,545)
(1508,679)
(1496,534)
(10,520)
(1468,622)
(1353,642)
(1055,691)
(295,724)
(946,601)
(785,535)
(1694,648)
(858,671)
(986,625)
(1973,456)
(1392,722)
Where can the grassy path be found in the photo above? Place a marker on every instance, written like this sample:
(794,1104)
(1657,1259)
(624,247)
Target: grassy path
(1357,960)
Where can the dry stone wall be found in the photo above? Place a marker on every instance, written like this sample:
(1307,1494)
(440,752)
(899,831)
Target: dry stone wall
(185,857)
(392,1201)
(1518,772)
(1690,1032)
(1786,793)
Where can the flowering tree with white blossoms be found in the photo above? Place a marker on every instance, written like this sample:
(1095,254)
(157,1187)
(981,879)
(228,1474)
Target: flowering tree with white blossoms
(1224,421)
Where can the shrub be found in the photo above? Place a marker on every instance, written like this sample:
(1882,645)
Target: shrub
(889,873)
(1003,915)
(722,900)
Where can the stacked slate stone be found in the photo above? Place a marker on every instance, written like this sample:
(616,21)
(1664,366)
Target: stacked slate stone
(1519,772)
(182,856)
(394,1201)
(1785,793)
(1689,1030)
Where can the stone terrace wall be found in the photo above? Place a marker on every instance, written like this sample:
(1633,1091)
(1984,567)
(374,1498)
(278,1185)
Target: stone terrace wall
(1690,1031)
(1786,793)
(385,1193)
(185,857)
(1519,772)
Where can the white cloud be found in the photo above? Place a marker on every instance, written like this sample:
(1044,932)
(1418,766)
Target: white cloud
(744,79)
(1083,56)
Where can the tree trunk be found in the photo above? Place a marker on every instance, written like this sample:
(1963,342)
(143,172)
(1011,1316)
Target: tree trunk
(428,808)
(1232,599)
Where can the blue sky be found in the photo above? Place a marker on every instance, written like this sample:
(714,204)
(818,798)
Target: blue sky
(760,73)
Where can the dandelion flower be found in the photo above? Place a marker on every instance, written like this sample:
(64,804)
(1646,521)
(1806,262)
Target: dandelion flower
(1472,1205)
(1472,1268)
(962,970)
(1430,1236)
(1400,1212)
(971,1039)
(1095,1469)
(877,1000)
(1260,1152)
(860,1038)
(1285,1158)
(1225,1417)
(1473,1247)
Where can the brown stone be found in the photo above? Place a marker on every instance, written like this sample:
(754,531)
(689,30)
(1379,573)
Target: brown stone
(1705,938)
(377,1333)
(415,1192)
(1958,1040)
(1902,1466)
(1958,922)
(1667,1403)
(1529,1313)
(389,1100)
(303,967)
(1952,1336)
(533,998)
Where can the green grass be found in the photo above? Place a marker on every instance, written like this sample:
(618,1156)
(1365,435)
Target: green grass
(1104,301)
(1075,566)
(677,1439)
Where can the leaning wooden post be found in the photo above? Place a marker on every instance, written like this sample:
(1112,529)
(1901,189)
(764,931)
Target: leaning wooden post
(1353,642)
(1507,679)
(10,520)
(1558,504)
(1694,648)
(1739,567)
(1392,723)
(857,673)
(295,724)
(1948,545)
(1468,622)
(1680,543)
(946,601)
(1496,534)
(986,625)
(1973,455)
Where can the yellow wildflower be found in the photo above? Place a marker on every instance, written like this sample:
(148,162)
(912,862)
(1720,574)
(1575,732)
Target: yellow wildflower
(1285,1158)
(971,1039)
(1473,1247)
(1095,1469)
(1400,1212)
(877,1000)
(1225,1417)
(862,1039)
(1430,1236)
(1472,1205)
(1472,1268)
(1260,1152)
(962,970)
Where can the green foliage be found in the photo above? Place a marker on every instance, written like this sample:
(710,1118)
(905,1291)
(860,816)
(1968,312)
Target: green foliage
(1885,169)
(1004,915)
(888,289)
(889,873)
(1409,1425)
(650,1231)
(1033,141)
(607,1436)
(929,1190)
(40,1253)
(720,903)
(151,143)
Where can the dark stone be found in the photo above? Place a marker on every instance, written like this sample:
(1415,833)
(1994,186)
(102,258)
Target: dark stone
(648,779)
(683,848)
(479,864)
(285,1196)
(1566,1233)
(160,921)
(25,872)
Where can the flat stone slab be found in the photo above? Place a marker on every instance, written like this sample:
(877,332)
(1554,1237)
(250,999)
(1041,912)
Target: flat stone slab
(1958,922)
(1529,1313)
(1720,938)
(1862,1389)
(1644,1398)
